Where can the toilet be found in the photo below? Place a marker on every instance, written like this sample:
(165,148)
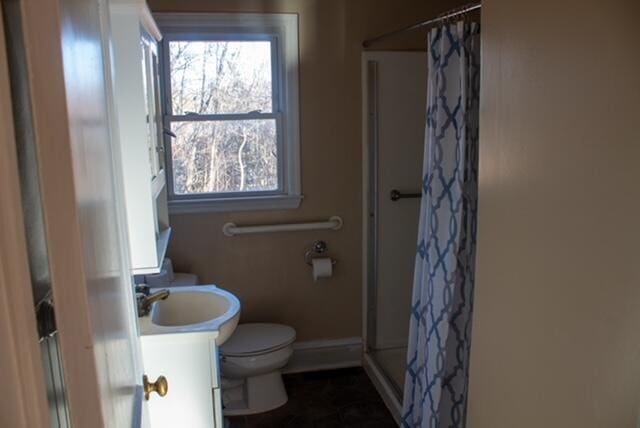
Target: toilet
(168,278)
(250,363)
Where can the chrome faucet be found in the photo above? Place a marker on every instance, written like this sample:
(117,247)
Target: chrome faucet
(145,299)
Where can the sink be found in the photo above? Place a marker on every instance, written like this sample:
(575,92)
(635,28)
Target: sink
(189,307)
(180,339)
(196,309)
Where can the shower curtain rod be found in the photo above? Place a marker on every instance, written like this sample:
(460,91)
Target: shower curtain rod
(452,14)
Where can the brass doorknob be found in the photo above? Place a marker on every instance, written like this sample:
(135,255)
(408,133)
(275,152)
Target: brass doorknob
(160,386)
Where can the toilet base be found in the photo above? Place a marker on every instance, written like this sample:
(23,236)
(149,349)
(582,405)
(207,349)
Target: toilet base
(252,395)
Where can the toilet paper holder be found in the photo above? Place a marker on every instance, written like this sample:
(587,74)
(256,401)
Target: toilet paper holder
(318,248)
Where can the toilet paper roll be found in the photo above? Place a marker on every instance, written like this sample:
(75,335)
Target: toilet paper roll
(322,268)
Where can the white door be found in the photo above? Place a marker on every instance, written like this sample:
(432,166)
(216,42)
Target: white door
(82,205)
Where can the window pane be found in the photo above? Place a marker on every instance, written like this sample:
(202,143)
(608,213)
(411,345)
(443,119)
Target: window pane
(224,156)
(218,77)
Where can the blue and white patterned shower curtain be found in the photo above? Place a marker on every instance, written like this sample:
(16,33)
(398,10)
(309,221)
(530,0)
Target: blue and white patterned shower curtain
(435,391)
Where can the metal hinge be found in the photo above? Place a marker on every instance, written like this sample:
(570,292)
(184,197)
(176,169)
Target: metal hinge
(46,319)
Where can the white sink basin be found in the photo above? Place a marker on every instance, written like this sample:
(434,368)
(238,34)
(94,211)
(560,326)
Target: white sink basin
(202,308)
(189,307)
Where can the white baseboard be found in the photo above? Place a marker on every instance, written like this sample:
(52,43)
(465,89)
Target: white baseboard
(383,386)
(330,354)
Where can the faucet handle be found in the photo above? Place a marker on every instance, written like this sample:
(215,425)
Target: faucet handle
(143,289)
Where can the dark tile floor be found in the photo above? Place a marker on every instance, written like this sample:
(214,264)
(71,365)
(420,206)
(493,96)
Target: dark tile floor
(327,399)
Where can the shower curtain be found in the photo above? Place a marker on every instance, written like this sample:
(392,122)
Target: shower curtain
(435,390)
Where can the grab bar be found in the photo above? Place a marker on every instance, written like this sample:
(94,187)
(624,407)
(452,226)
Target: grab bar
(231,229)
(396,195)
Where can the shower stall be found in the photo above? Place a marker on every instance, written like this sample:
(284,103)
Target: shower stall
(394,113)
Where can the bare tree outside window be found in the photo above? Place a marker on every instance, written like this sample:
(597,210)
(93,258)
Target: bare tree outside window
(218,155)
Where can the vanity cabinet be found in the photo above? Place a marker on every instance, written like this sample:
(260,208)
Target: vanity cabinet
(180,339)
(137,100)
(190,364)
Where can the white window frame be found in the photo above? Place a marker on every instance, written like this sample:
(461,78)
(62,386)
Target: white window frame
(282,31)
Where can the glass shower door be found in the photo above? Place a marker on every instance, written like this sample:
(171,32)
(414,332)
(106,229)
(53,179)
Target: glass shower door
(395,86)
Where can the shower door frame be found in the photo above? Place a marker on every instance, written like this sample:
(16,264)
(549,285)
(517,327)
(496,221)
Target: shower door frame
(370,146)
(384,124)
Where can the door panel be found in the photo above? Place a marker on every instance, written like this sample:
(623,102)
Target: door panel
(108,284)
(82,205)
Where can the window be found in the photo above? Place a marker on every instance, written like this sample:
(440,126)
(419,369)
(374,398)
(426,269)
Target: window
(231,104)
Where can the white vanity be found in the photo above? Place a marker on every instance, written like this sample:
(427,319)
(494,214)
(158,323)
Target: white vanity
(180,339)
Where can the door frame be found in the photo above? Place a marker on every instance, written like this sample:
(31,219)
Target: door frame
(370,146)
(25,403)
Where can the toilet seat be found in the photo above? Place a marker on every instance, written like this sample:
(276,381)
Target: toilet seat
(257,339)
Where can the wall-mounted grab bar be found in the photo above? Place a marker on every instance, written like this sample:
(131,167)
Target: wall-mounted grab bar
(231,229)
(396,195)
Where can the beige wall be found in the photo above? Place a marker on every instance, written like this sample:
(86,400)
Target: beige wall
(556,330)
(267,272)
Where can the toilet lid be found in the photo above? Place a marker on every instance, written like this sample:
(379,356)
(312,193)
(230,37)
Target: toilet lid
(256,338)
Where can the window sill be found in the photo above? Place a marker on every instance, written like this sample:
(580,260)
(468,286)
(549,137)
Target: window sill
(252,203)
